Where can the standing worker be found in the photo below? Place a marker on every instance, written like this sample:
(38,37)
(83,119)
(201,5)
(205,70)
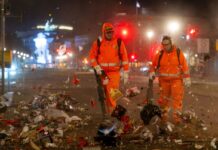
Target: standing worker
(109,56)
(170,65)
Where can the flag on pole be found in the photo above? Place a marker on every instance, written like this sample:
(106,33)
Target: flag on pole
(138,4)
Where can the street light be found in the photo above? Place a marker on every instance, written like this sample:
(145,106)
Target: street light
(150,34)
(187,37)
(173,26)
(3,44)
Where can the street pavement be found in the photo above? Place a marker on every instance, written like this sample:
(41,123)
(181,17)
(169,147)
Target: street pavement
(200,98)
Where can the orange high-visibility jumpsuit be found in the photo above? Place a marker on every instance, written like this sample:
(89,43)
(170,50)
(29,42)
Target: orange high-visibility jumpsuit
(110,61)
(171,75)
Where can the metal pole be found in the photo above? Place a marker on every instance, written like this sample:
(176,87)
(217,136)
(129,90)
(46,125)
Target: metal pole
(136,12)
(136,18)
(3,44)
(9,80)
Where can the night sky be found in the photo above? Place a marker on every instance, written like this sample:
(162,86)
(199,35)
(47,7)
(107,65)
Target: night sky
(82,13)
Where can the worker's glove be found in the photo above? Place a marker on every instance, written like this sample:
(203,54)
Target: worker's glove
(187,82)
(98,70)
(125,77)
(105,81)
(151,75)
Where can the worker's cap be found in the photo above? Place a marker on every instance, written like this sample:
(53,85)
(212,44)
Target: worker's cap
(108,27)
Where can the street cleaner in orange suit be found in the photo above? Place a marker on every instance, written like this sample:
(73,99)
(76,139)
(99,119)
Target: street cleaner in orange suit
(170,65)
(109,57)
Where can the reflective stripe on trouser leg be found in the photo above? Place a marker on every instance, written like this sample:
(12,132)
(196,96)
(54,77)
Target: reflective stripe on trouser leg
(177,97)
(164,101)
(114,80)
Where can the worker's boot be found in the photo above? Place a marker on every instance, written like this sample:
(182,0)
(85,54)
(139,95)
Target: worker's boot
(165,113)
(177,120)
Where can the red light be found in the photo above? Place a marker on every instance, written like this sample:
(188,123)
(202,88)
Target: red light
(192,31)
(132,56)
(124,32)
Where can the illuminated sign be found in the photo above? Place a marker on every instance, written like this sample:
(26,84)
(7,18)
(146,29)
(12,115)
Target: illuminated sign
(7,58)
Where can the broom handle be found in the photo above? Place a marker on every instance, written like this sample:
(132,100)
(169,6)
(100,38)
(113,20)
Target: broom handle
(101,94)
(149,95)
